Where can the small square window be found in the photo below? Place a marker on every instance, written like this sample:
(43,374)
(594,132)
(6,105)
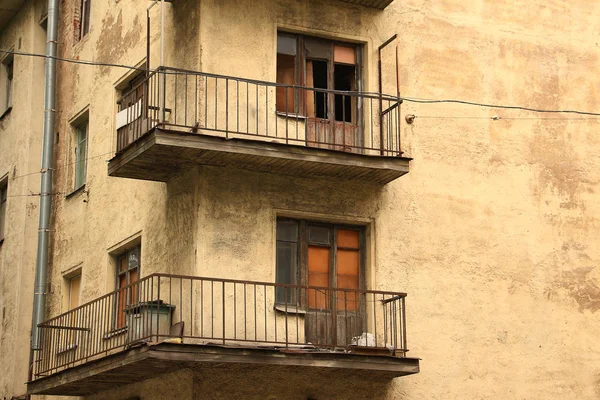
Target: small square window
(3,196)
(6,83)
(79,145)
(84,18)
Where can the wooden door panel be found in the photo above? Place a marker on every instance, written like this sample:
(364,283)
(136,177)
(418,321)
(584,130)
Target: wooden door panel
(318,275)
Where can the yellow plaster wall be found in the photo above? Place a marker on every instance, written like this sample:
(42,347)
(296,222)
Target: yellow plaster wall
(493,233)
(20,149)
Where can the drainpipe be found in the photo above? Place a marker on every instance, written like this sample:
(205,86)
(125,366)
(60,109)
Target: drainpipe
(41,265)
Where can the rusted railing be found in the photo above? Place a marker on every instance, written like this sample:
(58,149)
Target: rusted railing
(231,107)
(200,311)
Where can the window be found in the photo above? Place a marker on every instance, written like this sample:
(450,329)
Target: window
(6,84)
(319,255)
(74,289)
(128,272)
(84,18)
(3,195)
(321,64)
(81,128)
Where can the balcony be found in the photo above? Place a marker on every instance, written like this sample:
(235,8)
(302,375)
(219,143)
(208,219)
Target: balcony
(175,119)
(166,322)
(380,4)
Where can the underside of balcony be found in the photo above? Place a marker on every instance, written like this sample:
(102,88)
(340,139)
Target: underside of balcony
(161,154)
(380,4)
(147,362)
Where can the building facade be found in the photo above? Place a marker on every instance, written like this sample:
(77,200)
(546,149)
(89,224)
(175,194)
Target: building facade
(243,207)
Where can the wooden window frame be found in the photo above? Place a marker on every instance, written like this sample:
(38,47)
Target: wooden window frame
(3,207)
(129,301)
(7,65)
(301,108)
(70,280)
(84,18)
(303,244)
(81,141)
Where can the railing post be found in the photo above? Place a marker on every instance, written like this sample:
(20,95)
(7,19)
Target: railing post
(223,309)
(163,99)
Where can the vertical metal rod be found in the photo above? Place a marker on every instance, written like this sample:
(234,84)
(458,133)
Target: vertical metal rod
(245,311)
(223,305)
(404,344)
(274,316)
(257,109)
(196,103)
(287,116)
(205,101)
(216,103)
(175,98)
(192,307)
(157,308)
(234,310)
(286,317)
(226,107)
(185,101)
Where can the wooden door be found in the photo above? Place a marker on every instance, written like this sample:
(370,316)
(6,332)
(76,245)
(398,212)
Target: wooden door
(335,315)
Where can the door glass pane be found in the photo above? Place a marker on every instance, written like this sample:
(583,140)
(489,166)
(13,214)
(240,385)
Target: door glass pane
(287,230)
(133,277)
(287,272)
(318,275)
(286,74)
(318,235)
(133,258)
(286,44)
(348,239)
(121,302)
(344,54)
(122,264)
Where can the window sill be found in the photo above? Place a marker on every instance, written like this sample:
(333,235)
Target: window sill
(290,115)
(74,192)
(5,113)
(115,332)
(67,349)
(290,309)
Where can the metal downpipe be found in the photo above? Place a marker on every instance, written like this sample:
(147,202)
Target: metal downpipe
(41,266)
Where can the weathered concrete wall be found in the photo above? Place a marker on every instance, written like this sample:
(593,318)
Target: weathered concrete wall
(493,233)
(20,147)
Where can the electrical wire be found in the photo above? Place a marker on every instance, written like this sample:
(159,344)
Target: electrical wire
(471,103)
(407,99)
(497,118)
(58,168)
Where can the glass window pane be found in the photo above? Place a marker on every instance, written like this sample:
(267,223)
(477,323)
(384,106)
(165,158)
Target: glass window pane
(348,238)
(286,270)
(287,230)
(133,258)
(81,156)
(286,44)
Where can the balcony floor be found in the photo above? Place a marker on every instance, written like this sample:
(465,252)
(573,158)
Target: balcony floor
(149,361)
(161,154)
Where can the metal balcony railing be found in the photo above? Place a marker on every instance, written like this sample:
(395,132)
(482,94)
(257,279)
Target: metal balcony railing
(196,310)
(231,107)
